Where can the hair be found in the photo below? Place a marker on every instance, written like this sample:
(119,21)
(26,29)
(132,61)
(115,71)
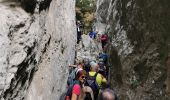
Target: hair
(104,97)
(93,65)
(80,72)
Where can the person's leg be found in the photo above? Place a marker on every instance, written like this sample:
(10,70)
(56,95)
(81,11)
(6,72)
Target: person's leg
(102,44)
(78,38)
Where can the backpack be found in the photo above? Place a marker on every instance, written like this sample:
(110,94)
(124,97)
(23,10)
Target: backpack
(71,77)
(88,96)
(102,68)
(91,82)
(68,94)
(104,57)
(87,66)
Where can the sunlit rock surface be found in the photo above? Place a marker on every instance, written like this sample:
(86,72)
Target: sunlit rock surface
(88,48)
(37,41)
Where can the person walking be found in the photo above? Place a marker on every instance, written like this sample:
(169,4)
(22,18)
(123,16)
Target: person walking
(79,33)
(107,94)
(104,39)
(74,91)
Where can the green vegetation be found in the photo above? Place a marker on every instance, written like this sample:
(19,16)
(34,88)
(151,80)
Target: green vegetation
(134,83)
(85,10)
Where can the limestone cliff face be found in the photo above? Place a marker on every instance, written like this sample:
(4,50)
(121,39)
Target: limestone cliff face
(138,46)
(37,41)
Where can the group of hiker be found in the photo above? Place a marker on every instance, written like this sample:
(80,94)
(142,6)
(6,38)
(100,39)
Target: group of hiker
(103,38)
(88,80)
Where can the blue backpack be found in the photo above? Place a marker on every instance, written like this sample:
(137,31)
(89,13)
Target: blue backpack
(104,57)
(72,76)
(71,82)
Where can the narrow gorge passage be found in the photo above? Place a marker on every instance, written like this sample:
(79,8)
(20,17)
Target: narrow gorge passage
(38,40)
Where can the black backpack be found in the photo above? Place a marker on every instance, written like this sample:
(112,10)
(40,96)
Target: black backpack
(87,66)
(91,82)
(102,69)
(88,96)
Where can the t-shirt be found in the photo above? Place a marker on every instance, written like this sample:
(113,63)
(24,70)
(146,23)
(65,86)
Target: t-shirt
(92,35)
(76,89)
(99,78)
(78,29)
(104,38)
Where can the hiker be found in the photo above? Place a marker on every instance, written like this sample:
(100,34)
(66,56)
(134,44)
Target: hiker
(79,33)
(104,39)
(92,34)
(86,64)
(103,59)
(107,94)
(98,79)
(103,56)
(102,68)
(74,90)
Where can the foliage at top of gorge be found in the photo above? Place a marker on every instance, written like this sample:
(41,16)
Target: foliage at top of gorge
(85,12)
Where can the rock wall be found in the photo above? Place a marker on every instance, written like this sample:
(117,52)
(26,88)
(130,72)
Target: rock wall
(138,46)
(37,41)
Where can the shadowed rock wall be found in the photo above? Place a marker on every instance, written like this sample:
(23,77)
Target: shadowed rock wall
(35,48)
(138,46)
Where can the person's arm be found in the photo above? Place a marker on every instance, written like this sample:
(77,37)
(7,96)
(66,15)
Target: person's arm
(91,93)
(89,90)
(75,66)
(104,79)
(75,92)
(74,97)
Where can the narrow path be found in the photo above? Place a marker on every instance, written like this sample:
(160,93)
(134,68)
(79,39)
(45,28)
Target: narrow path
(88,48)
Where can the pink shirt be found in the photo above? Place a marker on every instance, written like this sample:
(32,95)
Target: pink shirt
(76,89)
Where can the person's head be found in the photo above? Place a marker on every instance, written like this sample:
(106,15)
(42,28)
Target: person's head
(80,75)
(108,94)
(94,66)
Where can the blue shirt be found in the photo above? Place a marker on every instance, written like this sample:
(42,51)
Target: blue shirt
(92,35)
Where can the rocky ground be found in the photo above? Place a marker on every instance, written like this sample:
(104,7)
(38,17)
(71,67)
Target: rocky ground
(88,48)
